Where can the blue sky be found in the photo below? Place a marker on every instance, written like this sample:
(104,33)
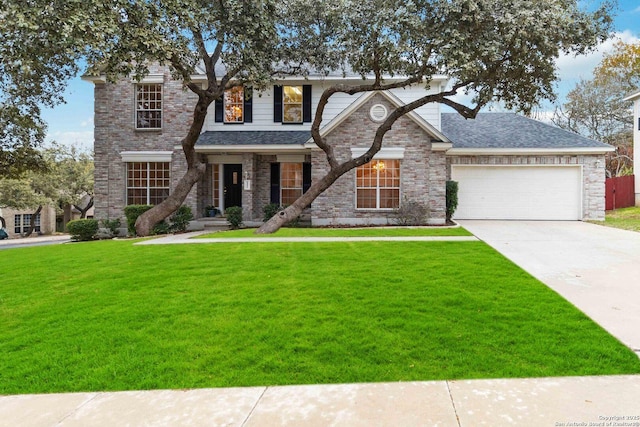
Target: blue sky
(72,123)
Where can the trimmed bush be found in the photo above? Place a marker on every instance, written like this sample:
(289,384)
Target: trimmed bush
(112,226)
(83,229)
(234,216)
(270,210)
(132,212)
(451,198)
(179,221)
(411,213)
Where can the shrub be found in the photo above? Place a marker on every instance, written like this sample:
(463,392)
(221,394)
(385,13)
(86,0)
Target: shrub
(162,227)
(132,212)
(179,221)
(83,229)
(270,210)
(234,216)
(451,198)
(411,213)
(112,226)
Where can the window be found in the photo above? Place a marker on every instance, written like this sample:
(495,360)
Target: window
(23,222)
(290,182)
(234,105)
(292,104)
(149,106)
(378,185)
(147,182)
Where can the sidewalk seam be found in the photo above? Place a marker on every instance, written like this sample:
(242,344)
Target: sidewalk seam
(77,408)
(453,404)
(254,407)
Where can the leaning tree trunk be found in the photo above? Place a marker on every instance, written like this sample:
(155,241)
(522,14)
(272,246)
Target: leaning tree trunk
(146,221)
(292,211)
(32,226)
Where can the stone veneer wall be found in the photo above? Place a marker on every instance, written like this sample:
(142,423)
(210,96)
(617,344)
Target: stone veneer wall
(422,171)
(593,175)
(115,132)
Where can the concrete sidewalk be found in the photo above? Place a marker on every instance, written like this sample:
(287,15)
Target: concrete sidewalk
(188,238)
(543,402)
(34,241)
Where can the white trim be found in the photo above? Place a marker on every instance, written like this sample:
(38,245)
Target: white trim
(150,79)
(527,151)
(94,79)
(378,113)
(146,156)
(290,158)
(387,153)
(632,97)
(441,146)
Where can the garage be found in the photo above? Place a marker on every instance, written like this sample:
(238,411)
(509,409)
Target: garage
(522,192)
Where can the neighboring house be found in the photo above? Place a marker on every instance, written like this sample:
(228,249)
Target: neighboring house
(259,151)
(636,140)
(19,221)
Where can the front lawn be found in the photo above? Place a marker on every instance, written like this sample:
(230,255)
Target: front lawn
(626,218)
(343,232)
(114,316)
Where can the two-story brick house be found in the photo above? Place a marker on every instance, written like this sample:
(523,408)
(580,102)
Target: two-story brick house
(258,150)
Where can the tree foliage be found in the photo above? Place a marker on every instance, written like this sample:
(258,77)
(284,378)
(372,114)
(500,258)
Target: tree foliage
(596,108)
(498,50)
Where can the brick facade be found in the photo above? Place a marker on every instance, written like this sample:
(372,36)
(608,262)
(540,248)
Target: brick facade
(422,171)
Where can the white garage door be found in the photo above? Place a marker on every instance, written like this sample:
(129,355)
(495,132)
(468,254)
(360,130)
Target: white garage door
(518,192)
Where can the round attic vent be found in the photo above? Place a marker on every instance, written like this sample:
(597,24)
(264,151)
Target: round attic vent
(378,113)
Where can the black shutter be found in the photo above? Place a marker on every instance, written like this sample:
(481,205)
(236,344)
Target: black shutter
(306,103)
(306,176)
(219,110)
(275,183)
(277,104)
(248,105)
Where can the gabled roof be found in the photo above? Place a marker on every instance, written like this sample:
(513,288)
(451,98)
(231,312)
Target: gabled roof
(434,133)
(513,131)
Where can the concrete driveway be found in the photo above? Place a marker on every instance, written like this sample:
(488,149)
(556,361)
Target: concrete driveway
(594,267)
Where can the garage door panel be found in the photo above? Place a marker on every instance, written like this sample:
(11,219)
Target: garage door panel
(533,192)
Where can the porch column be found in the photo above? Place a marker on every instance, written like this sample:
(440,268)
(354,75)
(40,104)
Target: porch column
(248,185)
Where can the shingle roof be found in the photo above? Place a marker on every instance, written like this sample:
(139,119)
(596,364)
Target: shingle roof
(509,130)
(258,137)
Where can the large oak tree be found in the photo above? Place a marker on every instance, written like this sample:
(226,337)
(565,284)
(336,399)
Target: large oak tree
(498,50)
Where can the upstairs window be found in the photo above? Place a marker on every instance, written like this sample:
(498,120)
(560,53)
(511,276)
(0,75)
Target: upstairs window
(236,106)
(147,182)
(149,106)
(378,185)
(292,104)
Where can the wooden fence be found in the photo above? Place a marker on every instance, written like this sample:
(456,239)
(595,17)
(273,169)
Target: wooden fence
(619,192)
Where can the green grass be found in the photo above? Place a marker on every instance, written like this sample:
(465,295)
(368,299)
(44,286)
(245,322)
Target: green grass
(114,316)
(626,218)
(343,232)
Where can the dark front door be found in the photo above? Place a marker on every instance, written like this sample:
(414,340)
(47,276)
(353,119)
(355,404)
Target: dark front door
(232,185)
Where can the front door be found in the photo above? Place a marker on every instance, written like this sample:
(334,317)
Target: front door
(232,182)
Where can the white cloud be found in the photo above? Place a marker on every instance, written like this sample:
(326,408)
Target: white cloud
(80,139)
(573,68)
(636,10)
